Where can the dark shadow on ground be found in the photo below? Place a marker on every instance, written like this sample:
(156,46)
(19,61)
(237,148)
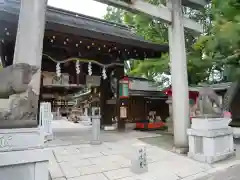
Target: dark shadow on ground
(165,141)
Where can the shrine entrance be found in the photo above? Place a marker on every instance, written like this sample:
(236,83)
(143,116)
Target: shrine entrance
(82,62)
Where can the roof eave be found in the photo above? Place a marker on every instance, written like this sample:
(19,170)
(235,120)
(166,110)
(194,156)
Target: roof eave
(67,22)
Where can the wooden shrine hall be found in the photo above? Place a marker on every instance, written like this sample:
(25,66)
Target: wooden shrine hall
(79,52)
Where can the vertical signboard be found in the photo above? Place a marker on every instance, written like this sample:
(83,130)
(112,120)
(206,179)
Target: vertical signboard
(124,88)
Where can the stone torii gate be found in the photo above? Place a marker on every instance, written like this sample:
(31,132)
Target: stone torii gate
(172,14)
(31,27)
(19,147)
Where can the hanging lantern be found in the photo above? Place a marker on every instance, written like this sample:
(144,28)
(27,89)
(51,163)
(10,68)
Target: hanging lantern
(104,74)
(89,68)
(77,67)
(58,70)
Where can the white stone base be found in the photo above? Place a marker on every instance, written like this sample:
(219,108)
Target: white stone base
(211,159)
(210,123)
(48,137)
(24,165)
(21,139)
(22,155)
(210,145)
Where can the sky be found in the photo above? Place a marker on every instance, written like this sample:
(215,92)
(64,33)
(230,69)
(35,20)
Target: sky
(87,7)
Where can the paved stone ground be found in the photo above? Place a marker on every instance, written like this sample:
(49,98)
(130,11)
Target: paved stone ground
(68,133)
(231,173)
(164,141)
(112,160)
(73,158)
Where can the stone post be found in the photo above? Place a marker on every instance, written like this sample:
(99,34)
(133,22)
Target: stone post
(96,130)
(139,162)
(179,76)
(170,119)
(21,142)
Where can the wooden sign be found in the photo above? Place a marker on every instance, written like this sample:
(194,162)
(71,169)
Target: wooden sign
(124,88)
(93,81)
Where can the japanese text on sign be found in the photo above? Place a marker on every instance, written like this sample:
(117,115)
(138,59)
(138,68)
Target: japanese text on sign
(142,157)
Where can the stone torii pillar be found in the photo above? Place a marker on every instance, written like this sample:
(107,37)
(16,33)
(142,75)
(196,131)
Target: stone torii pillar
(178,59)
(21,141)
(30,32)
(177,22)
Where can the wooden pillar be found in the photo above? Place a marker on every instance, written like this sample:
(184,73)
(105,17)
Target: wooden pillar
(78,79)
(106,112)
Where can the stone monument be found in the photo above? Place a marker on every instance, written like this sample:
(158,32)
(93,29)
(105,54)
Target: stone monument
(210,137)
(139,162)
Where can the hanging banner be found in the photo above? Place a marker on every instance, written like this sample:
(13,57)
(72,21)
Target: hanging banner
(124,88)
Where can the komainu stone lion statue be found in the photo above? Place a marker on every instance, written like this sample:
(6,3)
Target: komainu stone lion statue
(208,104)
(21,84)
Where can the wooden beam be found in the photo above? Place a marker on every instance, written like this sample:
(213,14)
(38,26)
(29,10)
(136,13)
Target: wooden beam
(160,12)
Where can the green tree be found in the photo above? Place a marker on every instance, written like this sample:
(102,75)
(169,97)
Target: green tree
(222,44)
(114,15)
(216,51)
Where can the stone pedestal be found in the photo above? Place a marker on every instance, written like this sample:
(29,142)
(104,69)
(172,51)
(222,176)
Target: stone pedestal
(210,140)
(22,155)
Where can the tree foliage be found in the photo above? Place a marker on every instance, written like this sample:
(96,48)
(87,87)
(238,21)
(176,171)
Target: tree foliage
(213,56)
(222,44)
